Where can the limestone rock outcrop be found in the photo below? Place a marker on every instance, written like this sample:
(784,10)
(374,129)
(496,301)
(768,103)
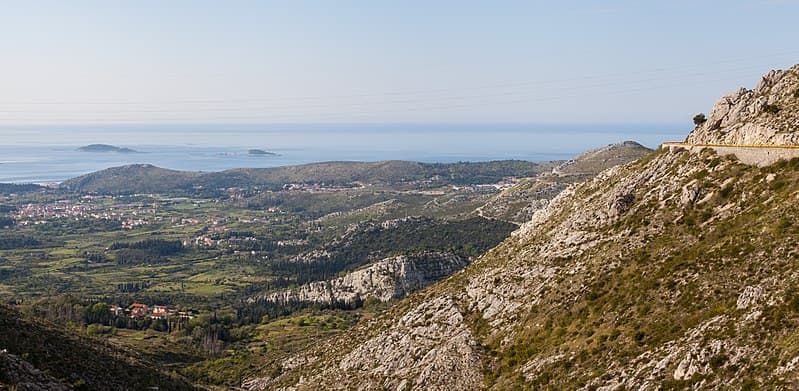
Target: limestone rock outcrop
(768,114)
(387,279)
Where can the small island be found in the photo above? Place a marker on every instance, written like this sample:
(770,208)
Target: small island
(105,148)
(260,152)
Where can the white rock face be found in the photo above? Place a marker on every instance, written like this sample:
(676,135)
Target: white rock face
(769,114)
(430,348)
(387,279)
(679,359)
(749,297)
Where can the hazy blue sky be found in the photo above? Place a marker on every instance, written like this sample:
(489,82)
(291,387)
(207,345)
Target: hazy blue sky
(384,61)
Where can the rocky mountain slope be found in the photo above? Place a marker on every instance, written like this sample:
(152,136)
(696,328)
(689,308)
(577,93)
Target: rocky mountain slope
(769,114)
(18,373)
(518,203)
(384,280)
(591,163)
(677,271)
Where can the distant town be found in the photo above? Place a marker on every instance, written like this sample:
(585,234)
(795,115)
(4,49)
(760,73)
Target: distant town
(139,310)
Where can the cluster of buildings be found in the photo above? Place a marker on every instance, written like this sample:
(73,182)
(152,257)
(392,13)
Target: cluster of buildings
(208,241)
(139,310)
(133,223)
(40,213)
(36,214)
(314,187)
(499,186)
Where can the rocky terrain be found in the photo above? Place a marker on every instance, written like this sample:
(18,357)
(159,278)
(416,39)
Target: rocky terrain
(384,280)
(518,203)
(768,114)
(676,271)
(16,372)
(591,163)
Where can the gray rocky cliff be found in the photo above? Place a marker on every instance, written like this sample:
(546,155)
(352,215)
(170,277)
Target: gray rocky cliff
(768,114)
(387,279)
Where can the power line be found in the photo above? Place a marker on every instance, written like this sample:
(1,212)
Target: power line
(334,115)
(508,84)
(734,71)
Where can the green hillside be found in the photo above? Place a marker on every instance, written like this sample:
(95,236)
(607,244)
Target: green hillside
(150,179)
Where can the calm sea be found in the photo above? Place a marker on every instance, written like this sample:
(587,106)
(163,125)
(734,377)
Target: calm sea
(48,154)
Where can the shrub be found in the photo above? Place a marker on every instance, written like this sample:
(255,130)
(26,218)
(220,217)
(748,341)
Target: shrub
(792,299)
(699,119)
(639,337)
(718,360)
(771,109)
(726,191)
(704,215)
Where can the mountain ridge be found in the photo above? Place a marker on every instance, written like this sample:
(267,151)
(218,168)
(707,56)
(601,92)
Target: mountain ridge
(144,178)
(518,203)
(674,271)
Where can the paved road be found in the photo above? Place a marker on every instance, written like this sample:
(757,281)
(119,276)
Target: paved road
(754,154)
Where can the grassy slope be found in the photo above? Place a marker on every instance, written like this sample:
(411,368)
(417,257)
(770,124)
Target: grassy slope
(679,269)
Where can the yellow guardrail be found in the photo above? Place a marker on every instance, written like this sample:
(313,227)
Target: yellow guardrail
(761,146)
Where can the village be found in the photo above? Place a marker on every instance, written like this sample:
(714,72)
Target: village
(139,310)
(88,207)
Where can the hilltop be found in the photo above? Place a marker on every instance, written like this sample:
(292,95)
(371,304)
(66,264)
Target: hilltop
(591,163)
(518,203)
(143,178)
(676,271)
(135,178)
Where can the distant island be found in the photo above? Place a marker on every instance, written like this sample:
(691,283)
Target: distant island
(105,148)
(260,152)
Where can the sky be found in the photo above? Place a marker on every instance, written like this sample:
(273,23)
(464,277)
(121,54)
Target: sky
(194,61)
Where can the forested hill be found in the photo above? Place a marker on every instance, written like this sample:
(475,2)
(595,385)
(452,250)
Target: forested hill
(74,362)
(143,178)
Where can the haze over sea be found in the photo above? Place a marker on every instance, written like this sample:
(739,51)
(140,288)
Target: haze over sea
(47,154)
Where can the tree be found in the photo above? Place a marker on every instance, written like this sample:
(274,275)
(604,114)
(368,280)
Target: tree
(699,119)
